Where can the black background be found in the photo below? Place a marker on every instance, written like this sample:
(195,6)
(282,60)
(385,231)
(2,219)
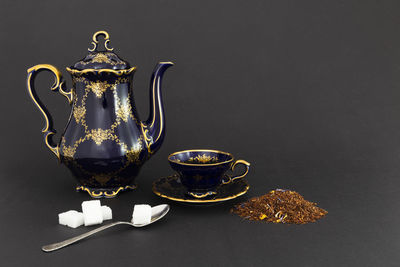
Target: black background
(307,91)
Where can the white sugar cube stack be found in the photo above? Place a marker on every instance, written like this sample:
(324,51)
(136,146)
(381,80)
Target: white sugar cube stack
(91,215)
(92,212)
(71,218)
(141,214)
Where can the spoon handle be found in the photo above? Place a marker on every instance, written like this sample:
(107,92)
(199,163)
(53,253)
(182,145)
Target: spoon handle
(56,246)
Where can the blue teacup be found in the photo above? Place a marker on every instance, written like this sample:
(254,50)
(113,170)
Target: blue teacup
(201,171)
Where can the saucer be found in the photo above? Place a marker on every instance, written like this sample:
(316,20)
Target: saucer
(171,188)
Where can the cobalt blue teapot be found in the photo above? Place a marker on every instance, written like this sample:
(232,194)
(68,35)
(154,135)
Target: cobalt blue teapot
(104,143)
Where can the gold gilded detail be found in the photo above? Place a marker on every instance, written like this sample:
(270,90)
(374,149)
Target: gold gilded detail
(109,58)
(98,88)
(99,135)
(79,113)
(54,149)
(57,86)
(101,193)
(100,71)
(215,199)
(68,151)
(100,58)
(230,157)
(95,42)
(147,140)
(76,79)
(245,163)
(123,112)
(134,153)
(202,195)
(122,80)
(203,159)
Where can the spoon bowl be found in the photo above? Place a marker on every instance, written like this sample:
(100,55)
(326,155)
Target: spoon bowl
(157,212)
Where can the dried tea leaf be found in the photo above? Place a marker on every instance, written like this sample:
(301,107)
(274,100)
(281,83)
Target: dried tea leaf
(280,206)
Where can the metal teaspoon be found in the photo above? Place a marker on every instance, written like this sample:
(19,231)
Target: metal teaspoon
(157,213)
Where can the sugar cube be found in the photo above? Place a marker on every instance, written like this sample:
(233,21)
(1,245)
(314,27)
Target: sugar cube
(63,218)
(71,218)
(92,212)
(107,212)
(76,220)
(141,214)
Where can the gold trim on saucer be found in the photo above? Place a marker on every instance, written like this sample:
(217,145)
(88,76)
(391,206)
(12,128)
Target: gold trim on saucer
(202,195)
(200,200)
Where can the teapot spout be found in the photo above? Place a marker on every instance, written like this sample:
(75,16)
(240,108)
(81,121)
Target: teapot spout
(154,127)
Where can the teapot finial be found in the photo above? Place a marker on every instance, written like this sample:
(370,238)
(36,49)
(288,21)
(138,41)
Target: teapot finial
(95,41)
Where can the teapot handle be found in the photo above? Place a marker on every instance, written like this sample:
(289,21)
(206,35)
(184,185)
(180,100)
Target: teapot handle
(57,87)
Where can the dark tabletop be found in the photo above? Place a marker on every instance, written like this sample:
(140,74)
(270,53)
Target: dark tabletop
(307,91)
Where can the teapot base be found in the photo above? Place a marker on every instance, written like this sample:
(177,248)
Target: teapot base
(104,192)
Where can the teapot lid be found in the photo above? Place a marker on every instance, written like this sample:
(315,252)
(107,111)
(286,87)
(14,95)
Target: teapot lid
(97,60)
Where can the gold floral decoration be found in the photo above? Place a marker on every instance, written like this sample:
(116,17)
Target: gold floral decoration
(134,153)
(98,88)
(68,151)
(79,113)
(203,159)
(99,135)
(76,79)
(100,58)
(122,80)
(123,111)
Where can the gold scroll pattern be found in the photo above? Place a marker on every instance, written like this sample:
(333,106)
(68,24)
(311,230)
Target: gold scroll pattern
(123,111)
(96,194)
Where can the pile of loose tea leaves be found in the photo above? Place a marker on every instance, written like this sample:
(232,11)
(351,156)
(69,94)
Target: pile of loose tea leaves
(280,206)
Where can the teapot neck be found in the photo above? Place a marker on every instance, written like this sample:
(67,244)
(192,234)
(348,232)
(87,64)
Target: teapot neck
(154,127)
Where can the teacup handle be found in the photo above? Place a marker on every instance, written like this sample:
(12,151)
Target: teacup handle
(239,161)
